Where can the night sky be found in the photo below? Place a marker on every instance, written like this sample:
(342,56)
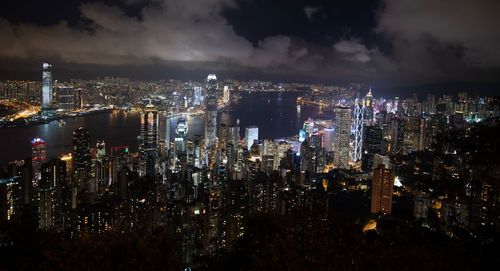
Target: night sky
(386,43)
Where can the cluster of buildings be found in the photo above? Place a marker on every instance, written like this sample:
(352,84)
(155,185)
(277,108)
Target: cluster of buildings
(203,188)
(420,147)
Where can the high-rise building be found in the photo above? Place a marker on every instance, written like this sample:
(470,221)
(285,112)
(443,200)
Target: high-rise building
(234,135)
(226,95)
(372,144)
(369,113)
(50,194)
(414,134)
(328,139)
(382,185)
(148,148)
(396,135)
(211,112)
(167,133)
(357,131)
(342,133)
(197,96)
(251,134)
(82,161)
(38,155)
(181,136)
(46,85)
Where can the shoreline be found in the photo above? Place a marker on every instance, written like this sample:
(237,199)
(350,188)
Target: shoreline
(27,123)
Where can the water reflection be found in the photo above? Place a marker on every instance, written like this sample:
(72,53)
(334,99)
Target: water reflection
(278,118)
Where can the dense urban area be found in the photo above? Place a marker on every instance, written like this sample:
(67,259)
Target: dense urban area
(387,183)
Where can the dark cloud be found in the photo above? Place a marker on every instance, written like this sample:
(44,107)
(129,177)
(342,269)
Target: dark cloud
(409,42)
(310,12)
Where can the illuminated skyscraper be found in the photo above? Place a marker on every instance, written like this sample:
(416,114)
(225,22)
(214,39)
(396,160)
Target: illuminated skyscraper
(342,132)
(396,134)
(226,94)
(167,133)
(234,135)
(82,162)
(181,136)
(50,194)
(369,107)
(328,138)
(382,185)
(211,112)
(369,98)
(372,144)
(414,134)
(148,148)
(197,96)
(357,131)
(46,85)
(251,134)
(38,155)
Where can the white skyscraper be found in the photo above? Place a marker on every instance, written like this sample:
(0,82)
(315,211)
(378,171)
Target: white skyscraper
(328,137)
(211,112)
(197,96)
(251,134)
(46,85)
(226,94)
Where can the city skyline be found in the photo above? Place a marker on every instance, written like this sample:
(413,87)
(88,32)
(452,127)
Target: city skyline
(249,135)
(379,43)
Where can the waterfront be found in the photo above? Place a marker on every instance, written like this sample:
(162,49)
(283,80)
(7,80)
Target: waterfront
(274,113)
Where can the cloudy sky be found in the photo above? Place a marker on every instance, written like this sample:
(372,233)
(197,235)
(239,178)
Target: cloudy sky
(383,43)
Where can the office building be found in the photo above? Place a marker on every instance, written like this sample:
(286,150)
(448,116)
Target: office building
(82,162)
(38,156)
(197,96)
(372,144)
(382,186)
(328,139)
(211,112)
(148,149)
(46,85)
(357,131)
(251,134)
(342,133)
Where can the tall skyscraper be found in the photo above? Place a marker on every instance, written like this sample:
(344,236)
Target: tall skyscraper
(369,113)
(38,155)
(234,135)
(211,112)
(414,134)
(226,95)
(148,148)
(357,131)
(328,139)
(372,144)
(197,96)
(396,133)
(369,99)
(82,161)
(342,133)
(251,134)
(181,136)
(46,85)
(50,194)
(167,132)
(382,185)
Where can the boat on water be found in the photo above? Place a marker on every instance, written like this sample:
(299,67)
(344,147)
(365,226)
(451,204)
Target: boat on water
(61,123)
